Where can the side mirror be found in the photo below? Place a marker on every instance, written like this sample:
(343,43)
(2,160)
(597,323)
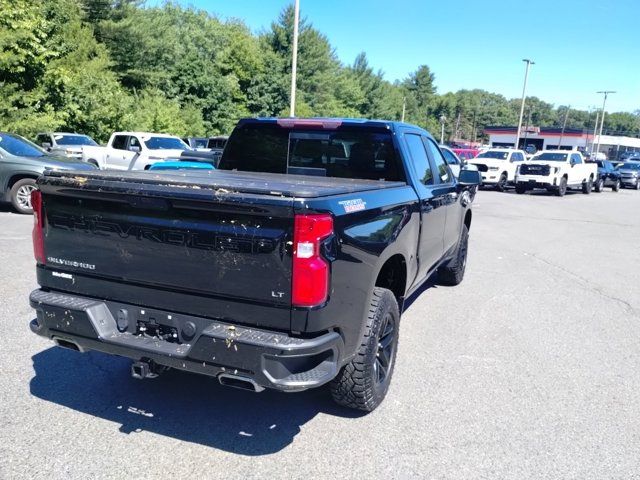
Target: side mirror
(134,148)
(469,178)
(46,145)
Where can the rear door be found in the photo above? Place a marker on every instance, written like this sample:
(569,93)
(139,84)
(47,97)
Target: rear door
(432,205)
(446,189)
(115,156)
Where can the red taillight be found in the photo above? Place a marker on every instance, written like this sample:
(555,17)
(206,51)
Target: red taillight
(38,226)
(310,270)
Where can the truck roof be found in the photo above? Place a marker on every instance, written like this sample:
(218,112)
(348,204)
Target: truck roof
(328,122)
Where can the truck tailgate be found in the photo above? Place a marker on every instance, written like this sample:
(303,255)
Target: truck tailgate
(173,239)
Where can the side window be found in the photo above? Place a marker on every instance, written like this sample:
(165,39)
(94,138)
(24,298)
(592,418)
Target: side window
(419,158)
(120,142)
(518,157)
(449,157)
(441,165)
(42,138)
(134,142)
(576,158)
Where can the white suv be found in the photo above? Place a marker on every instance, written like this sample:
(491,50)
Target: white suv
(498,166)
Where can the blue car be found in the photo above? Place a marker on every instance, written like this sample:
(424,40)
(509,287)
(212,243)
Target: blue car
(181,165)
(608,176)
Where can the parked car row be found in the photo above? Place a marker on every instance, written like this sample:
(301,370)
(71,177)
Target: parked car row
(556,171)
(132,150)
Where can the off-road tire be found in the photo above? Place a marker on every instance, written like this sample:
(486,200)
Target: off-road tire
(17,195)
(452,272)
(357,384)
(562,188)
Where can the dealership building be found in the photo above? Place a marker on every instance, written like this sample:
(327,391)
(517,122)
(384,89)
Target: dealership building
(548,138)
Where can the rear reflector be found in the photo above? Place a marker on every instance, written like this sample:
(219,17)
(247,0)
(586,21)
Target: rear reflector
(310,270)
(38,226)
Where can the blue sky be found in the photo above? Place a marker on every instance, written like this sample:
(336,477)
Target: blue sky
(579,46)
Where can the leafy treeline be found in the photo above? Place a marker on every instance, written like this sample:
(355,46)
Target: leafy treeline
(95,66)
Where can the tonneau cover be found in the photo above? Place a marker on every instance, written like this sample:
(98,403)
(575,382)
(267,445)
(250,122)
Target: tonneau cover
(302,186)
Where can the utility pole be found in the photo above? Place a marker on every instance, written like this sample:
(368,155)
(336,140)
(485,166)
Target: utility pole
(294,59)
(524,89)
(595,131)
(474,126)
(456,136)
(564,125)
(604,102)
(404,107)
(443,120)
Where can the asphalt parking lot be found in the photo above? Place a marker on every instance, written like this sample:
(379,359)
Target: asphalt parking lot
(529,369)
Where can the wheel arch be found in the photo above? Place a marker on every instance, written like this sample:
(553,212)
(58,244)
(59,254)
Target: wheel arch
(393,276)
(467,219)
(15,178)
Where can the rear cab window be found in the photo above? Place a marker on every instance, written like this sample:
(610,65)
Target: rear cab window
(344,152)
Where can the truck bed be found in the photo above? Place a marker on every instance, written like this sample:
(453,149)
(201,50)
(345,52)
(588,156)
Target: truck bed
(279,185)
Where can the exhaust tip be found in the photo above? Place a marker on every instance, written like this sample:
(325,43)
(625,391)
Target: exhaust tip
(236,381)
(68,344)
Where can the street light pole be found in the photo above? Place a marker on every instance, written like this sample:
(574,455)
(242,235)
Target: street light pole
(604,102)
(443,119)
(524,89)
(294,59)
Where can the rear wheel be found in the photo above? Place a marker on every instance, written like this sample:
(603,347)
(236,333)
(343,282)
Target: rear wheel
(363,383)
(587,187)
(21,195)
(562,188)
(501,186)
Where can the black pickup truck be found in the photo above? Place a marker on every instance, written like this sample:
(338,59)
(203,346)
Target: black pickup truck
(286,268)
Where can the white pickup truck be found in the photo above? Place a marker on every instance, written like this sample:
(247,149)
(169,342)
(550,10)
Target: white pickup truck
(556,171)
(498,166)
(134,150)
